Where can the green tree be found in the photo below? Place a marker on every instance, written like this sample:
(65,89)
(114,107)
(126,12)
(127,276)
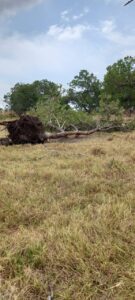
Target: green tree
(119,82)
(23,97)
(84,91)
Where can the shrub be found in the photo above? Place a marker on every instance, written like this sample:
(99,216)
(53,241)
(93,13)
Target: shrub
(110,111)
(56,116)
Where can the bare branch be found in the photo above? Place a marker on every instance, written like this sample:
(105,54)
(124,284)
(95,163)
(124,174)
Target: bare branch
(79,133)
(128,2)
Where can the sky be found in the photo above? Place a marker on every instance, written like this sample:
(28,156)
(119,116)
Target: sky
(55,39)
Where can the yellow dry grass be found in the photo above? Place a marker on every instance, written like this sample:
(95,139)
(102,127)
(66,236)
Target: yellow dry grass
(67,219)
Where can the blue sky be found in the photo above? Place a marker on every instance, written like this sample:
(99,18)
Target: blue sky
(55,39)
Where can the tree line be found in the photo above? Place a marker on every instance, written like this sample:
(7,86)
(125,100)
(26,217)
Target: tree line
(85,96)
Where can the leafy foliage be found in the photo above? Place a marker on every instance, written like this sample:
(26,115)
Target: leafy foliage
(119,81)
(110,110)
(56,116)
(25,96)
(21,98)
(84,91)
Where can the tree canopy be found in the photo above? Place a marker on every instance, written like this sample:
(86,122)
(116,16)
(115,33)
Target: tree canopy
(23,97)
(84,91)
(119,81)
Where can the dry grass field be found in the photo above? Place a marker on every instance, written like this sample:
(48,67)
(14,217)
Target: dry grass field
(67,219)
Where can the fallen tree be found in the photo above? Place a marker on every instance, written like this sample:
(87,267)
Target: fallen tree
(29,129)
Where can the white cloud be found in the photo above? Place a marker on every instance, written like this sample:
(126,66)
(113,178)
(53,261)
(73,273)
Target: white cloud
(82,14)
(65,15)
(65,33)
(108,26)
(79,16)
(112,34)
